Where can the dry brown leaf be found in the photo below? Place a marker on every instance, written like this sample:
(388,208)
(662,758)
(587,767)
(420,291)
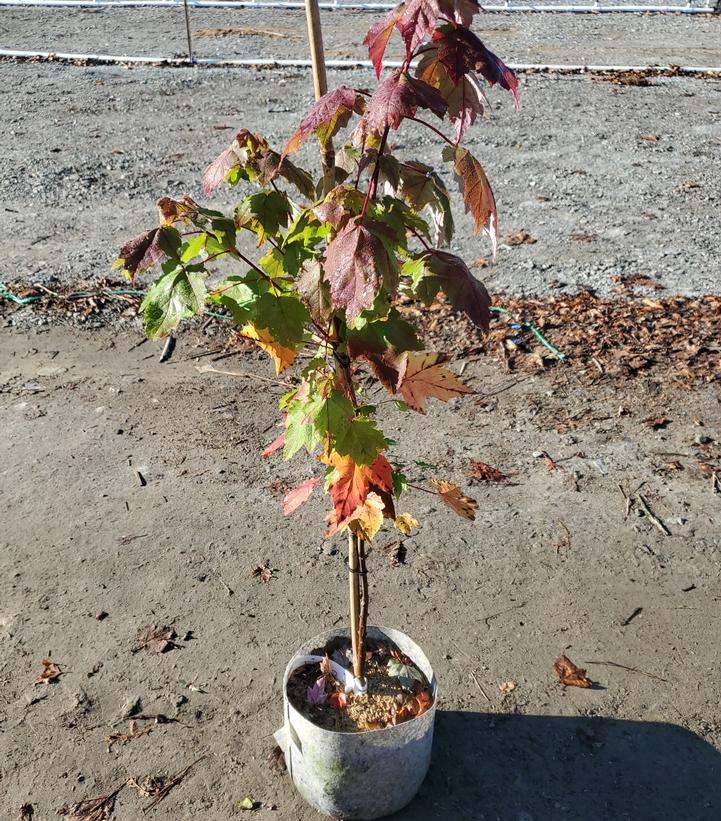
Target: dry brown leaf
(569,675)
(262,572)
(396,553)
(92,809)
(157,787)
(649,138)
(507,687)
(481,472)
(451,494)
(154,639)
(26,813)
(119,737)
(656,422)
(521,237)
(581,236)
(276,760)
(51,672)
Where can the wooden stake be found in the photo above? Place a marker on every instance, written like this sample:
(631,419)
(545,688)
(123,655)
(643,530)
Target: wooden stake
(320,85)
(187,31)
(354,590)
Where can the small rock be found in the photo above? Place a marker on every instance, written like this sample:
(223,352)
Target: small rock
(130,707)
(702,439)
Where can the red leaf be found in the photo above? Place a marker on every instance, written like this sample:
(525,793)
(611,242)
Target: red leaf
(421,375)
(378,36)
(141,252)
(276,444)
(338,700)
(449,273)
(419,17)
(399,96)
(217,171)
(300,494)
(477,193)
(50,672)
(481,472)
(462,11)
(356,265)
(329,114)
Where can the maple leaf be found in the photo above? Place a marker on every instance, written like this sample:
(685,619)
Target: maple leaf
(476,190)
(569,675)
(405,673)
(356,265)
(300,494)
(51,672)
(378,36)
(441,271)
(144,251)
(481,472)
(175,210)
(397,97)
(155,639)
(465,104)
(405,523)
(282,357)
(340,203)
(422,188)
(338,700)
(244,148)
(352,484)
(367,519)
(419,17)
(276,444)
(327,116)
(176,295)
(452,496)
(316,695)
(315,291)
(421,375)
(462,11)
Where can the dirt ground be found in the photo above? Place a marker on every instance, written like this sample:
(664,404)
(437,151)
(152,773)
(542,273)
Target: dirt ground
(551,565)
(136,489)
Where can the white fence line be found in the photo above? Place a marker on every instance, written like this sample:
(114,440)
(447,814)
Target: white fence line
(590,8)
(181,62)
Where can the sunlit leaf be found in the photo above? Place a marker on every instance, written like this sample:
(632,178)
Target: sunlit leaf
(282,357)
(452,496)
(405,523)
(476,191)
(176,295)
(368,518)
(327,116)
(422,375)
(397,97)
(298,495)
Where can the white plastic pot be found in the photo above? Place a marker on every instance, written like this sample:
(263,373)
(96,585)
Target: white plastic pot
(362,775)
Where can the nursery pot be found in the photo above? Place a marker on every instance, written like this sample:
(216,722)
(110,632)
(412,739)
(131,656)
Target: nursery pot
(360,775)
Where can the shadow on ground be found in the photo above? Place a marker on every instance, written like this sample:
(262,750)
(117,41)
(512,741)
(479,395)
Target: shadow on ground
(490,767)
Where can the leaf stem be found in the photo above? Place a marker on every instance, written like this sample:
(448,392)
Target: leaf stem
(434,129)
(373,184)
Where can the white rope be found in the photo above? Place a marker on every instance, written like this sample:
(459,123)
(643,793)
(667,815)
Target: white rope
(590,8)
(212,62)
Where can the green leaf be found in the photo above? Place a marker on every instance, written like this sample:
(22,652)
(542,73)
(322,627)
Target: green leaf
(361,440)
(192,248)
(405,673)
(284,315)
(300,430)
(400,483)
(178,294)
(238,295)
(379,336)
(264,213)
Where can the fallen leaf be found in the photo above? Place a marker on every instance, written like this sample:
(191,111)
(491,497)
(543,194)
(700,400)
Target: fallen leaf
(26,812)
(119,737)
(338,700)
(507,687)
(155,639)
(406,673)
(481,472)
(262,572)
(157,787)
(247,804)
(315,696)
(580,236)
(405,523)
(92,809)
(396,553)
(569,675)
(656,422)
(276,760)
(649,138)
(521,237)
(452,496)
(50,672)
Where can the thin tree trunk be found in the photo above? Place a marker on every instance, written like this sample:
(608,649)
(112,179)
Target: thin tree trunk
(354,590)
(320,85)
(363,615)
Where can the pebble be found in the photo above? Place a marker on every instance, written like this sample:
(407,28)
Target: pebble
(702,439)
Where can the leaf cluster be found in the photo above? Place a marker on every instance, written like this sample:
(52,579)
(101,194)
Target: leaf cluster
(332,255)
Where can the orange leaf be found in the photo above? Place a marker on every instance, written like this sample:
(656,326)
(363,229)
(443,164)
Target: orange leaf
(50,672)
(422,375)
(368,518)
(569,675)
(282,357)
(350,490)
(452,496)
(477,194)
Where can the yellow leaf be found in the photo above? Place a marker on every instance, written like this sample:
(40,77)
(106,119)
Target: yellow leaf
(405,523)
(282,357)
(368,518)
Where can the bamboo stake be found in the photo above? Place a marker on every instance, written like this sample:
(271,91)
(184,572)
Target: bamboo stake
(354,590)
(363,614)
(320,85)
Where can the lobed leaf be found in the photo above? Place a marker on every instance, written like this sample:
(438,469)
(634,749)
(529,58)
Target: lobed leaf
(146,250)
(178,294)
(282,357)
(451,495)
(476,190)
(327,116)
(421,375)
(397,97)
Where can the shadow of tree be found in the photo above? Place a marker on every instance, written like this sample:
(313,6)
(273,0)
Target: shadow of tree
(491,767)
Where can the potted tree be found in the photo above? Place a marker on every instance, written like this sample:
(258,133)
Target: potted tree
(333,256)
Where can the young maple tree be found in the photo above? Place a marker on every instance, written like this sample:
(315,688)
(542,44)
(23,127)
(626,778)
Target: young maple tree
(336,255)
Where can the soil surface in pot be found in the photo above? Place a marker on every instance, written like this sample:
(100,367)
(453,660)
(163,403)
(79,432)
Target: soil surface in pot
(397,689)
